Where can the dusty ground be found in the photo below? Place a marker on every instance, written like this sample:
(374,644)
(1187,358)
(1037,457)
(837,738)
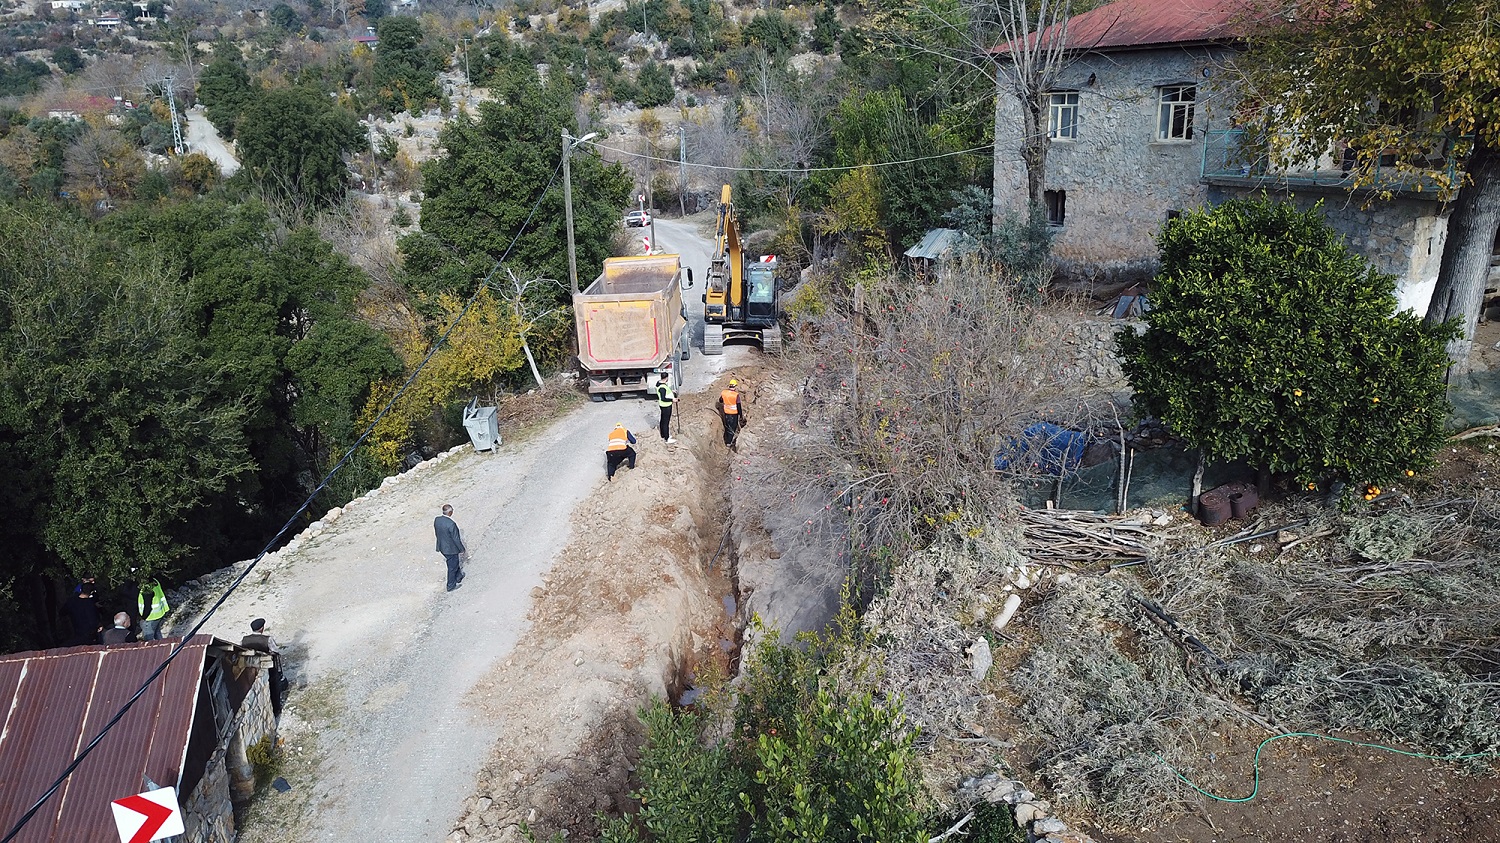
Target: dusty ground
(420,715)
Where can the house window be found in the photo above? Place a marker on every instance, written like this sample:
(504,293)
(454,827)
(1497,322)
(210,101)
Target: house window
(1057,205)
(1175,121)
(1062,115)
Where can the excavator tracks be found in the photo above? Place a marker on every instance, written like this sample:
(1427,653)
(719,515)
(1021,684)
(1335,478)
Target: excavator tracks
(770,340)
(713,339)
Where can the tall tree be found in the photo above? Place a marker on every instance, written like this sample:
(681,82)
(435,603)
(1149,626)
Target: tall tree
(405,69)
(1402,78)
(293,141)
(104,405)
(1021,45)
(478,197)
(225,88)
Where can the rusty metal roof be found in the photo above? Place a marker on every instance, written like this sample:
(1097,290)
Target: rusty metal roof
(53,702)
(1142,24)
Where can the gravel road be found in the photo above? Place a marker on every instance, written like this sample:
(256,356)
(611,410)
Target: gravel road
(362,609)
(203,137)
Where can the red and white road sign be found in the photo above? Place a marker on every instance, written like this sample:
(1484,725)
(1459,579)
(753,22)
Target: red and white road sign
(148,816)
(646,244)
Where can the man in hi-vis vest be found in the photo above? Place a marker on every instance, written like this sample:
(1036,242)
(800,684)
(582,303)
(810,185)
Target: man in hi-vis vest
(664,399)
(619,450)
(732,411)
(151,603)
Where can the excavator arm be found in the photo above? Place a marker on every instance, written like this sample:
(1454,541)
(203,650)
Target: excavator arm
(725,290)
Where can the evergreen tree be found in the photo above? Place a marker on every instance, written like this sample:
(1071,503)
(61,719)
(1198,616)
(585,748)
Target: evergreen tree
(225,89)
(654,87)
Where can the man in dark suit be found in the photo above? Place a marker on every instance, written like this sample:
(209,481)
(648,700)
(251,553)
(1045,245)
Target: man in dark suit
(450,544)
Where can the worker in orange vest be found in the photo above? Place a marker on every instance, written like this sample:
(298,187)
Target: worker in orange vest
(732,411)
(619,450)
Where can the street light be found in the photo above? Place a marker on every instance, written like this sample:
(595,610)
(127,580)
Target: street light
(568,144)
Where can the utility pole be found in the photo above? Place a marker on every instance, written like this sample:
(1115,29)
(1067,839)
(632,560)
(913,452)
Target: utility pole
(468,85)
(177,145)
(568,143)
(682,168)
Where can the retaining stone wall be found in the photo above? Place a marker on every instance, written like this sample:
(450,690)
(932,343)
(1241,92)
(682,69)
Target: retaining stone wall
(208,813)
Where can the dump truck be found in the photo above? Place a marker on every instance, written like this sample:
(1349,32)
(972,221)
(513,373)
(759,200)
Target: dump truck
(632,327)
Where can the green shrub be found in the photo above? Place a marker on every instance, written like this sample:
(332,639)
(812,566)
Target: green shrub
(1270,341)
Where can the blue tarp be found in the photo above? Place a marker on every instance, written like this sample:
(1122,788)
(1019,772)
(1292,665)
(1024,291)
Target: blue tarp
(1044,448)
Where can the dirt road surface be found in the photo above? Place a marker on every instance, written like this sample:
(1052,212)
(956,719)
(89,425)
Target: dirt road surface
(404,692)
(203,137)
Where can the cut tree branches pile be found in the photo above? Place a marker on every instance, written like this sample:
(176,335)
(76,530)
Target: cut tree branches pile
(1381,626)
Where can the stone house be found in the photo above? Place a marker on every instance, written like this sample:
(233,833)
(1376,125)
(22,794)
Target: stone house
(1142,125)
(191,730)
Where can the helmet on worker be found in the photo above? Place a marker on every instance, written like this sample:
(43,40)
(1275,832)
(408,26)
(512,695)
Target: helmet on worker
(733,382)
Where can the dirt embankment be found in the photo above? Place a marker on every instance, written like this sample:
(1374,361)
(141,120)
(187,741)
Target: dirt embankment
(626,614)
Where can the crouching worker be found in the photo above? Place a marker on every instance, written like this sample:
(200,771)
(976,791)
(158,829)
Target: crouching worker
(619,450)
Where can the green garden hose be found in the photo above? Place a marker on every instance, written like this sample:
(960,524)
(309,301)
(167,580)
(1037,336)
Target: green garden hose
(1263,744)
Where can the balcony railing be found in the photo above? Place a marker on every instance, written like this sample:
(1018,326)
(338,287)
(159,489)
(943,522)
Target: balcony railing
(1228,159)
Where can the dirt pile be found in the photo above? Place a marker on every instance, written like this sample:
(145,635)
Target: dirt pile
(626,613)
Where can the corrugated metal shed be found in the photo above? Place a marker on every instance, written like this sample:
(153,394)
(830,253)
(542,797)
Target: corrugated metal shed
(53,702)
(938,243)
(1140,24)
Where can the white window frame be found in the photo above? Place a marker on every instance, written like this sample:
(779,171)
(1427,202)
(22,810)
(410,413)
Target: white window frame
(1060,105)
(1176,105)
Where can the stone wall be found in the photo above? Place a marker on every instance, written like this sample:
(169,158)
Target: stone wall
(208,812)
(1120,181)
(1402,237)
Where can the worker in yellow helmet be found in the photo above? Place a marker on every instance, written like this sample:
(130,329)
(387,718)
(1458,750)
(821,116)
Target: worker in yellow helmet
(732,412)
(619,450)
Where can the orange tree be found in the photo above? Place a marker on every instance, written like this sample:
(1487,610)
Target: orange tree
(1409,81)
(1269,341)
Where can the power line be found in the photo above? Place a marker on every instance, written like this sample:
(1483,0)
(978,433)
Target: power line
(989,147)
(323,484)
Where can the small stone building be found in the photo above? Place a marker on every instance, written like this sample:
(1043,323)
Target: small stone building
(191,730)
(1142,126)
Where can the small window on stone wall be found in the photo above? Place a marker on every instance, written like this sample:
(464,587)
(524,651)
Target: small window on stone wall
(1173,214)
(1175,115)
(1057,206)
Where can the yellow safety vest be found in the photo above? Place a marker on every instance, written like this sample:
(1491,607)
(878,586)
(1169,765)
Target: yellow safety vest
(664,395)
(619,439)
(159,605)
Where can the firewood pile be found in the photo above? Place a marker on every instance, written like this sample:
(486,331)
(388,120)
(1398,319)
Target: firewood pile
(1086,540)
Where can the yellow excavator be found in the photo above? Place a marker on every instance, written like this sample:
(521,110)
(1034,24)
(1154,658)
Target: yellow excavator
(740,298)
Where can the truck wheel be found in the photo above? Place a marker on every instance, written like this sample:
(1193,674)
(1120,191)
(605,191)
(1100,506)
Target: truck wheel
(596,398)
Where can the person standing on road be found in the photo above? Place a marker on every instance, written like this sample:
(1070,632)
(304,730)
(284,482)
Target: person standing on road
(153,612)
(450,544)
(664,399)
(732,411)
(619,450)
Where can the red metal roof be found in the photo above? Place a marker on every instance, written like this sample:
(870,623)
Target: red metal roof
(53,702)
(1138,24)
